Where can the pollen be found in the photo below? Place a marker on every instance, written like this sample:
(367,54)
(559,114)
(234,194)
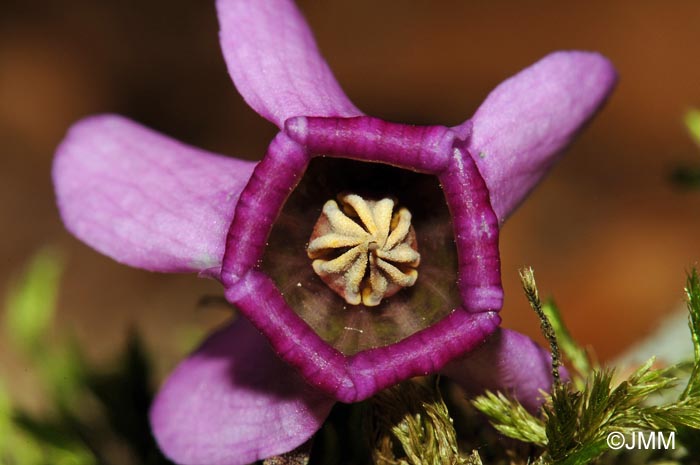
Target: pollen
(364,250)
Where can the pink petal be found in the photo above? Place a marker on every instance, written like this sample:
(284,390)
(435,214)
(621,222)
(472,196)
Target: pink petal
(234,402)
(144,199)
(274,62)
(528,119)
(509,362)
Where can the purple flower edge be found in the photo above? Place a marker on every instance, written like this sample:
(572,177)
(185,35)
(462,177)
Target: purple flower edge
(428,149)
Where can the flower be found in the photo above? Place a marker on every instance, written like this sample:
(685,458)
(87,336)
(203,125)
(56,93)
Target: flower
(154,203)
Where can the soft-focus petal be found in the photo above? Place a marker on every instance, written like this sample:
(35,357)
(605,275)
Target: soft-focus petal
(527,120)
(275,63)
(144,199)
(509,362)
(234,402)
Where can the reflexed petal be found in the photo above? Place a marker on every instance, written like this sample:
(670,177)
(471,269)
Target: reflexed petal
(234,402)
(510,362)
(528,119)
(144,199)
(275,63)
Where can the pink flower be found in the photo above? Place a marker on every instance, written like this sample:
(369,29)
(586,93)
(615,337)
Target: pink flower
(154,203)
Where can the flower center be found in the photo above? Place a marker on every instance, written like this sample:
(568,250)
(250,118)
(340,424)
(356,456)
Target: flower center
(352,329)
(363,249)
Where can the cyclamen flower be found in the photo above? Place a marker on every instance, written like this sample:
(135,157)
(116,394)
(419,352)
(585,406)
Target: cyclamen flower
(361,252)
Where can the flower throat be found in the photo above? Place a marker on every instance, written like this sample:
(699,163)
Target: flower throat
(346,306)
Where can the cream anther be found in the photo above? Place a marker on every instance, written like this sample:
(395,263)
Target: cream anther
(363,249)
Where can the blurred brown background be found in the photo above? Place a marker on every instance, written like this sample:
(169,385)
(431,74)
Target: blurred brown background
(607,233)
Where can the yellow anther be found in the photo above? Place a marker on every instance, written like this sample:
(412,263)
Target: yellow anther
(363,250)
